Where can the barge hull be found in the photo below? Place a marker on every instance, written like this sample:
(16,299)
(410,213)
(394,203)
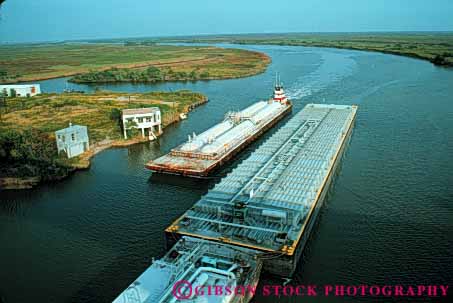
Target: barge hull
(271,201)
(170,168)
(286,265)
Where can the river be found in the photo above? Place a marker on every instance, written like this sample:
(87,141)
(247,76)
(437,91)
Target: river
(389,219)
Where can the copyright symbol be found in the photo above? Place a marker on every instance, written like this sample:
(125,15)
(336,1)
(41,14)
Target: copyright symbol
(180,290)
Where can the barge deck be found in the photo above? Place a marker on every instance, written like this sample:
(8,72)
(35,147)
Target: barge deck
(270,202)
(203,153)
(259,217)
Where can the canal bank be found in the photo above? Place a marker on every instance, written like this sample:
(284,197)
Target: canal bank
(91,236)
(29,130)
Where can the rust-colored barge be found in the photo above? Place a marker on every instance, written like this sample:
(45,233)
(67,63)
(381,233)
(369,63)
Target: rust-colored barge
(203,153)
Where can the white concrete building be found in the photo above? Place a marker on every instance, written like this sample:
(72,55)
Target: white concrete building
(22,90)
(72,140)
(148,120)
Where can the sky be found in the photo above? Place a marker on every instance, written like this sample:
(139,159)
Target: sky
(56,20)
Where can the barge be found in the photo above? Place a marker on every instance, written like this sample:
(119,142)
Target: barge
(204,152)
(258,218)
(191,271)
(270,201)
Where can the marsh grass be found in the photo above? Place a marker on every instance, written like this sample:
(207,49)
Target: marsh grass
(434,47)
(50,112)
(37,62)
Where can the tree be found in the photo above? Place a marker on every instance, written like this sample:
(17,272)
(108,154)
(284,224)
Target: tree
(12,93)
(181,75)
(115,114)
(28,145)
(439,60)
(30,153)
(3,103)
(204,75)
(153,73)
(131,128)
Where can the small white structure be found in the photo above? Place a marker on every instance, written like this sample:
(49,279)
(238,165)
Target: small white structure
(73,140)
(23,90)
(143,118)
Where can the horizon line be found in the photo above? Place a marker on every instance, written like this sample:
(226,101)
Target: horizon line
(221,34)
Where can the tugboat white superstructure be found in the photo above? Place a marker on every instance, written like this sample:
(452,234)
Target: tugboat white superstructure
(196,270)
(206,151)
(279,93)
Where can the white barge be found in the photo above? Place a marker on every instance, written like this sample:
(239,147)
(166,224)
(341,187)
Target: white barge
(271,200)
(259,217)
(204,152)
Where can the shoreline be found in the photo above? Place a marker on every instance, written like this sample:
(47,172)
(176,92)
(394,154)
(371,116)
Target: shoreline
(440,58)
(266,58)
(210,78)
(387,52)
(214,57)
(84,160)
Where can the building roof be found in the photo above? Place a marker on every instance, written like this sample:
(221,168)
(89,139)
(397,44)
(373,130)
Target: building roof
(18,86)
(139,111)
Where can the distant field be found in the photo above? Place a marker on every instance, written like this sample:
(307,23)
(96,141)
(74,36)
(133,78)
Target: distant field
(37,62)
(435,47)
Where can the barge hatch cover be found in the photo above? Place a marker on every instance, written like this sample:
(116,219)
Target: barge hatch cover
(266,202)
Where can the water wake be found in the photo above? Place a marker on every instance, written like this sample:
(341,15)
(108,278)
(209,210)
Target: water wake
(334,67)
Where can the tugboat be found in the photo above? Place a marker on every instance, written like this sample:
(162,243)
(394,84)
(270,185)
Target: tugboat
(212,148)
(279,93)
(196,270)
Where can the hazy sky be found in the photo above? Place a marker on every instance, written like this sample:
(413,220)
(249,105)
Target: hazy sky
(50,20)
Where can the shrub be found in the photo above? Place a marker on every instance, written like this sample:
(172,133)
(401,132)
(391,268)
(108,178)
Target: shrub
(115,114)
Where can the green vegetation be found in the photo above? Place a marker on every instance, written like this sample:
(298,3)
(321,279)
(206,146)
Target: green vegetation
(150,74)
(27,126)
(98,111)
(434,47)
(30,153)
(132,61)
(3,75)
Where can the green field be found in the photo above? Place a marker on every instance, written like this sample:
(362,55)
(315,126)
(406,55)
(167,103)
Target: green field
(434,47)
(46,61)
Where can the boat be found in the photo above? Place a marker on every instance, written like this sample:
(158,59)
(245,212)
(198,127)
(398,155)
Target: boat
(256,219)
(196,270)
(182,116)
(270,201)
(204,152)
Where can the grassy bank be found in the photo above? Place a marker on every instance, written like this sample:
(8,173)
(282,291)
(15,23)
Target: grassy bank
(126,62)
(434,47)
(27,126)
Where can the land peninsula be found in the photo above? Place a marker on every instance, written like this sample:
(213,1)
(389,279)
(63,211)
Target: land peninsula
(436,47)
(126,62)
(28,150)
